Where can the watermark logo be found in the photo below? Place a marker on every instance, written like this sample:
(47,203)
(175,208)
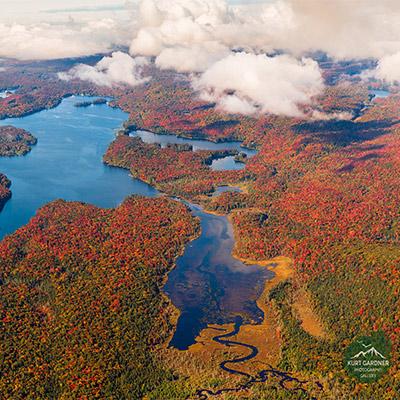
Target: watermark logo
(367,358)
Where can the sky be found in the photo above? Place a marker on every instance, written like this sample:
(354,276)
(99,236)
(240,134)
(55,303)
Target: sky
(22,11)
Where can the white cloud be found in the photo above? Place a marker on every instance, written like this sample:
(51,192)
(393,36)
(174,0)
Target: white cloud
(181,28)
(196,58)
(197,36)
(249,83)
(149,13)
(150,41)
(48,41)
(340,28)
(322,116)
(178,33)
(146,43)
(233,104)
(120,68)
(388,68)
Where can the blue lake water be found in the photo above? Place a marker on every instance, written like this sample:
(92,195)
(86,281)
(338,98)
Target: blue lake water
(379,93)
(66,163)
(222,164)
(208,285)
(227,163)
(224,189)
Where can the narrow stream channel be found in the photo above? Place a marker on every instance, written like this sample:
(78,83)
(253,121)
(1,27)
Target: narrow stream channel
(208,285)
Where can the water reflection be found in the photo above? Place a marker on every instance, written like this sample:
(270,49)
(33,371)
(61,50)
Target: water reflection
(221,164)
(209,286)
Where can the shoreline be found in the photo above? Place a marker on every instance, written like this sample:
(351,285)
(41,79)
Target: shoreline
(265,336)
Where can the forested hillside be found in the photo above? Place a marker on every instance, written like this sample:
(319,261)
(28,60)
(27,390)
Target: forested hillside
(81,311)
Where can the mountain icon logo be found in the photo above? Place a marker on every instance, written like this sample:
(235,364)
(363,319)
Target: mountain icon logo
(372,352)
(367,358)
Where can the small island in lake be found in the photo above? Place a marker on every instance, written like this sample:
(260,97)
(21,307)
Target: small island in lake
(96,102)
(15,141)
(212,208)
(5,192)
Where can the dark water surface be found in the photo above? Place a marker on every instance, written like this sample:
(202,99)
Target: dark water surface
(208,285)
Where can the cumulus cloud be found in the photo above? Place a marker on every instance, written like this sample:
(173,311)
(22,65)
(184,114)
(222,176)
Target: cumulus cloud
(181,33)
(51,41)
(199,36)
(339,28)
(196,58)
(48,41)
(233,103)
(388,69)
(194,35)
(322,116)
(249,83)
(120,68)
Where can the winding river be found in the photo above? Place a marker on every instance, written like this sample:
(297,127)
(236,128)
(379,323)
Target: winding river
(285,380)
(208,285)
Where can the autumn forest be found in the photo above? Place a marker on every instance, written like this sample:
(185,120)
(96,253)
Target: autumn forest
(83,314)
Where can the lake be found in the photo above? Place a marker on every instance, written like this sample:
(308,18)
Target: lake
(66,163)
(208,285)
(220,164)
(224,189)
(379,93)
